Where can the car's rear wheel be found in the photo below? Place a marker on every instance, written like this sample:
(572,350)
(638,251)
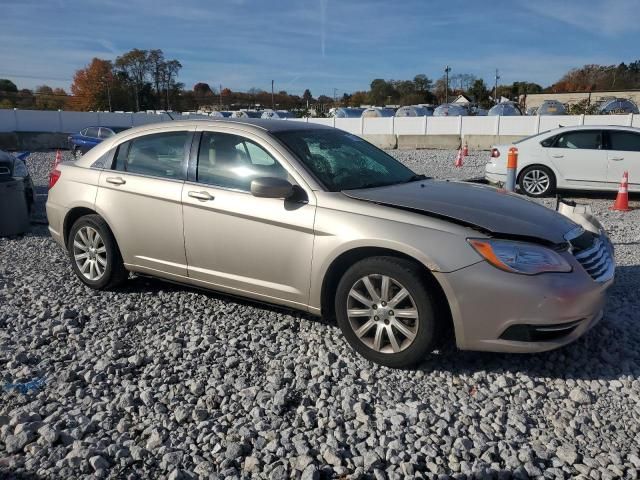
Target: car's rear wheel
(386,312)
(94,254)
(537,181)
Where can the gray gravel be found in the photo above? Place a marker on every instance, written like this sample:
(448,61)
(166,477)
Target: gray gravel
(161,381)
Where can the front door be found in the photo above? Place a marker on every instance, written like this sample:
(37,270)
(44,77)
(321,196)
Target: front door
(240,243)
(579,157)
(623,156)
(140,198)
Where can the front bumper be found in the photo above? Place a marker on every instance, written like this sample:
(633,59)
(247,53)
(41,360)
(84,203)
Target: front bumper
(504,312)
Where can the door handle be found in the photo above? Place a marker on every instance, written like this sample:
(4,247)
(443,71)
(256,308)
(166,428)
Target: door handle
(116,180)
(616,159)
(204,196)
(557,156)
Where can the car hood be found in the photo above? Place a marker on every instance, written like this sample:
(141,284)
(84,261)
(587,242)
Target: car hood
(496,211)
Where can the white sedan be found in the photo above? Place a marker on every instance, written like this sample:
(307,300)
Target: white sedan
(586,157)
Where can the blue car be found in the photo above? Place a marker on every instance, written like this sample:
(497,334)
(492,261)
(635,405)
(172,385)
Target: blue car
(80,143)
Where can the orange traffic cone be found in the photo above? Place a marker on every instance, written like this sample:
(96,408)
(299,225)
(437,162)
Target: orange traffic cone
(622,200)
(459,158)
(465,150)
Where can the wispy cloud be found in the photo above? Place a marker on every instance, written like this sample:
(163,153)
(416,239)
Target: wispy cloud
(608,17)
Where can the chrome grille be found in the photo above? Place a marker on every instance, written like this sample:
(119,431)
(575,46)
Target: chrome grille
(597,260)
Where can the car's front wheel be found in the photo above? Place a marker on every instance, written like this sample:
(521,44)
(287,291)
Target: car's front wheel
(537,181)
(386,312)
(94,254)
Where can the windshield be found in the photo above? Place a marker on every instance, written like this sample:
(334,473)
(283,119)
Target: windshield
(342,161)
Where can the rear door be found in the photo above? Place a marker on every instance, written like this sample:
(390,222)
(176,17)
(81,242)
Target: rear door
(623,155)
(579,157)
(140,198)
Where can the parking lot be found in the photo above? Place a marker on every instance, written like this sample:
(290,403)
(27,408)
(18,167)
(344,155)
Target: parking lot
(156,380)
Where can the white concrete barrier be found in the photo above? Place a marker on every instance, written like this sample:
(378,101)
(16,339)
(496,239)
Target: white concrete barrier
(13,120)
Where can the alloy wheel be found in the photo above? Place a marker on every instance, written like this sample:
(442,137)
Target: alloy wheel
(536,182)
(90,253)
(382,313)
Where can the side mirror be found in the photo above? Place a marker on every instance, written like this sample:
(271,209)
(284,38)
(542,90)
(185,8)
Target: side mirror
(271,187)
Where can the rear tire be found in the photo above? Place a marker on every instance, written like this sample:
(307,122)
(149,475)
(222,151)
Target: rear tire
(537,181)
(94,253)
(391,332)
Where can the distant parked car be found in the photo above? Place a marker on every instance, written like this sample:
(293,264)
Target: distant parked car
(450,110)
(83,141)
(378,112)
(506,109)
(246,114)
(13,167)
(347,112)
(413,111)
(551,107)
(586,157)
(277,114)
(618,106)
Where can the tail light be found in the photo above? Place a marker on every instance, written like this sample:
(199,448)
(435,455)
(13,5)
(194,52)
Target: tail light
(495,153)
(54,176)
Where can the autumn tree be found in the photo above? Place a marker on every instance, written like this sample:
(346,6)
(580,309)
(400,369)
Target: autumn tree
(94,86)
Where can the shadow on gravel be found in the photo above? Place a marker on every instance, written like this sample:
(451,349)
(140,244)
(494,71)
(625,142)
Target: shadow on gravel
(141,284)
(609,351)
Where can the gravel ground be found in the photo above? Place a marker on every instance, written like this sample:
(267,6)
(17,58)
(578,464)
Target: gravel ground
(161,381)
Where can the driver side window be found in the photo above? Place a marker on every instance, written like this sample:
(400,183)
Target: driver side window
(232,161)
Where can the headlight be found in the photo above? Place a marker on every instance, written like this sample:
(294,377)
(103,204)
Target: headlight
(519,257)
(20,169)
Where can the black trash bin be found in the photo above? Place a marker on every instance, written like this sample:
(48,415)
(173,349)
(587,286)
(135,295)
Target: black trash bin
(14,214)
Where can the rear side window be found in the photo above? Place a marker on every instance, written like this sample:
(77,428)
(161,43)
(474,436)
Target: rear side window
(106,133)
(581,139)
(92,132)
(157,155)
(625,141)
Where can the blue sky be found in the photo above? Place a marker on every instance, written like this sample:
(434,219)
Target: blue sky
(318,44)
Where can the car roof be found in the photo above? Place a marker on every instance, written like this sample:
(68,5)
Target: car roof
(596,127)
(263,124)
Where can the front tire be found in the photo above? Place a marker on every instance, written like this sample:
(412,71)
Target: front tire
(537,181)
(386,311)
(94,254)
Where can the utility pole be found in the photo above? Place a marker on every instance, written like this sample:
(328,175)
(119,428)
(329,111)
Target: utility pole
(447,69)
(495,93)
(335,93)
(109,94)
(220,96)
(273,104)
